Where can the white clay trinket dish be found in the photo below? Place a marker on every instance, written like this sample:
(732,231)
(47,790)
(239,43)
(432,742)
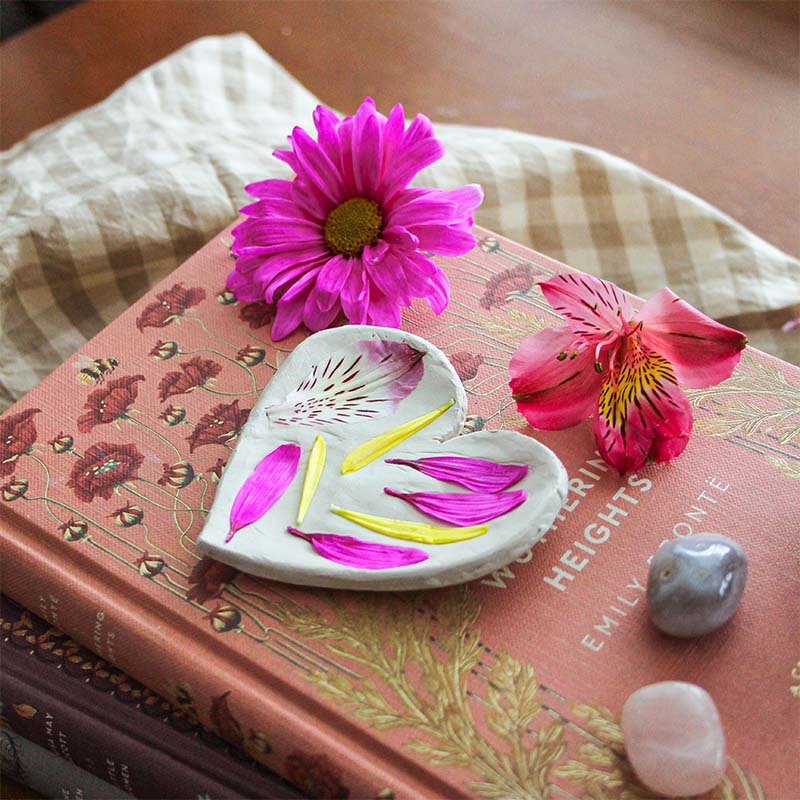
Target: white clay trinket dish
(351,474)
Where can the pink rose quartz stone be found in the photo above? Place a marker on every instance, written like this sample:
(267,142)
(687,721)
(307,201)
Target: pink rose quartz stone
(674,739)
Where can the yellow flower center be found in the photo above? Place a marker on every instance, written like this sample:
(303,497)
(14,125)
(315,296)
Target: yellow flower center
(353,225)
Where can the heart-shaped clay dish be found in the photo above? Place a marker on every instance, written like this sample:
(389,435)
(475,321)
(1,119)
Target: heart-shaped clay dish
(373,395)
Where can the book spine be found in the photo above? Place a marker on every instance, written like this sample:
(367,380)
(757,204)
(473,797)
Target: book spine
(61,588)
(99,733)
(49,774)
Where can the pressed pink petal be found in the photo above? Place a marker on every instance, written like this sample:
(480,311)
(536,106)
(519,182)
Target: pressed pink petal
(462,509)
(354,552)
(592,307)
(553,379)
(642,412)
(475,474)
(702,352)
(264,487)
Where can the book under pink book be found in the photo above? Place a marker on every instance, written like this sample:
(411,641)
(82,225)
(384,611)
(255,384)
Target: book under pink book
(510,686)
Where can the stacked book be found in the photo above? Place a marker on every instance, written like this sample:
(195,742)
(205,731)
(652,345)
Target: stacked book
(507,687)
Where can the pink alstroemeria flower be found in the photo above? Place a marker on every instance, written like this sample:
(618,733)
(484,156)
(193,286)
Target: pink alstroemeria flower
(621,365)
(348,234)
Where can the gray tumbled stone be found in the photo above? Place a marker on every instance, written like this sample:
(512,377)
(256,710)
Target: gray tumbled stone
(695,584)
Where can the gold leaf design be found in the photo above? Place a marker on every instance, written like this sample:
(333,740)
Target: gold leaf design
(512,325)
(791,469)
(757,398)
(502,732)
(392,639)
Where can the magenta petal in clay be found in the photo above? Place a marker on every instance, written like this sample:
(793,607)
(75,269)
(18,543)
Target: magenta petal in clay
(475,474)
(354,552)
(265,486)
(462,509)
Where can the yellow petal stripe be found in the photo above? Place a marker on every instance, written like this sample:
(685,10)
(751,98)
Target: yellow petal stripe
(413,531)
(382,443)
(642,379)
(314,468)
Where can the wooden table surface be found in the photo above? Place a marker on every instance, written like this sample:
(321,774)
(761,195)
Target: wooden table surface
(703,93)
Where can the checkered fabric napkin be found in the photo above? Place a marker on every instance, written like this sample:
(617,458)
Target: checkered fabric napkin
(100,206)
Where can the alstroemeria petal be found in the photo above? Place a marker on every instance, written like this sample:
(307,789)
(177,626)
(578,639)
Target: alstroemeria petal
(475,474)
(592,307)
(265,486)
(368,385)
(642,412)
(354,552)
(462,509)
(414,531)
(554,380)
(702,352)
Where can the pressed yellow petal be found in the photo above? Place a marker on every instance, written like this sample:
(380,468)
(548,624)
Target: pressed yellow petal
(314,468)
(382,443)
(413,531)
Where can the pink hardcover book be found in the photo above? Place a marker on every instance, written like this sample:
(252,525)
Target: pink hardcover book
(508,687)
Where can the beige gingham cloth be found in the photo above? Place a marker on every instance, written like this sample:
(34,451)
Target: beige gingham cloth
(98,207)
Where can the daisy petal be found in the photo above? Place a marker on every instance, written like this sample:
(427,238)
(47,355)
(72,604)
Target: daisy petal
(438,295)
(553,379)
(355,294)
(366,151)
(592,307)
(317,167)
(289,310)
(702,352)
(272,187)
(642,412)
(332,278)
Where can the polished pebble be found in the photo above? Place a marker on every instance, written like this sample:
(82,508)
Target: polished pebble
(674,739)
(695,584)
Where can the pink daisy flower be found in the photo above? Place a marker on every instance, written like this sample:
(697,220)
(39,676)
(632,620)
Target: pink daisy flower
(348,234)
(621,365)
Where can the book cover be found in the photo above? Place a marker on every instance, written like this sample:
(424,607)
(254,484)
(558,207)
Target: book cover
(49,774)
(61,696)
(510,686)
